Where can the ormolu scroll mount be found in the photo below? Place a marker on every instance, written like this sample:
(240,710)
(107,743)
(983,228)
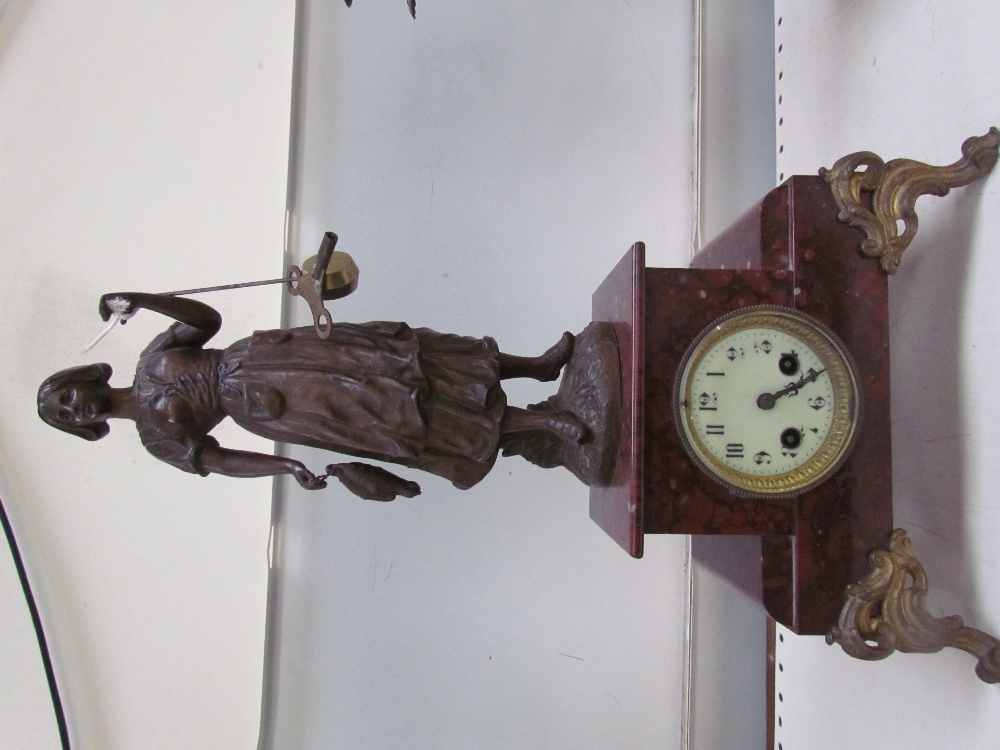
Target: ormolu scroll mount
(892,189)
(883,614)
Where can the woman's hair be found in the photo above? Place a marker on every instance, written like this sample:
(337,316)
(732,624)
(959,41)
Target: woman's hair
(89,374)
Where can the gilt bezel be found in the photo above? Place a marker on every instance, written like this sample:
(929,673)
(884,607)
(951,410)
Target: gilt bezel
(840,366)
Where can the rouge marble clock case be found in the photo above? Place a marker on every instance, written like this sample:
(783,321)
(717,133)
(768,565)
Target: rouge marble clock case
(795,555)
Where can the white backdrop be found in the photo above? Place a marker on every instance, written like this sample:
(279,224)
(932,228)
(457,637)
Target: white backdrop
(143,147)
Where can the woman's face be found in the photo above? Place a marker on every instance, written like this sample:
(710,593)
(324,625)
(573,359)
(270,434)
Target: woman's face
(80,404)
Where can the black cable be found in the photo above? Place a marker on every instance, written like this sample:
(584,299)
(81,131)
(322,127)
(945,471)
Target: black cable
(50,674)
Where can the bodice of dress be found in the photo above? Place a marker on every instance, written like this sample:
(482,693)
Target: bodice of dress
(178,398)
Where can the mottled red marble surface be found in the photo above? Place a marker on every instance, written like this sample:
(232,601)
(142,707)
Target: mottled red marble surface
(617,508)
(677,497)
(790,249)
(836,525)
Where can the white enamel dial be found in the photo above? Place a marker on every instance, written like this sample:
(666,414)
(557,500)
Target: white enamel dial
(767,402)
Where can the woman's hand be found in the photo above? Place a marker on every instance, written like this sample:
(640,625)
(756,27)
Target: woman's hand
(120,303)
(306,478)
(202,319)
(372,482)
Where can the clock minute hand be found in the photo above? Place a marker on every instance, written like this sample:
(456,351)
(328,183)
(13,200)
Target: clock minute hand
(767,400)
(809,377)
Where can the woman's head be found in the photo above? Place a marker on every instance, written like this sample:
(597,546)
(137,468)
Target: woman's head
(78,401)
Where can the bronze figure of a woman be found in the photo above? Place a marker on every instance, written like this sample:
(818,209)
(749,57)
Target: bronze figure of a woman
(382,391)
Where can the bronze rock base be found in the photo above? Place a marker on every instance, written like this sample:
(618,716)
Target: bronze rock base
(591,390)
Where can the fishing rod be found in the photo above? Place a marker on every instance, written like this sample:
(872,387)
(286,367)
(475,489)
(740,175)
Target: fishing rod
(328,275)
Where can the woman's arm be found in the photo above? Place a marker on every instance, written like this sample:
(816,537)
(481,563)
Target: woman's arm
(198,321)
(365,481)
(233,463)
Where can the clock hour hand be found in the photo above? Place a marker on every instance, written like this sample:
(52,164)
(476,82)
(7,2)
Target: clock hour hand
(767,400)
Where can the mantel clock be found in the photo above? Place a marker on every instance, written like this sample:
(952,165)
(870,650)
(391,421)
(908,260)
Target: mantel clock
(756,386)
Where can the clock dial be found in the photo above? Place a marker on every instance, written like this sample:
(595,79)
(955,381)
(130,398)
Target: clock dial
(767,402)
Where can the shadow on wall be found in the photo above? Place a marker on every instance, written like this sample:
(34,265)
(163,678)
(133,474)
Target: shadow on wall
(930,434)
(12,15)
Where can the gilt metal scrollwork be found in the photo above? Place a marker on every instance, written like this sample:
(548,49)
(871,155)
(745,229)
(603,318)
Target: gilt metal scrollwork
(895,187)
(883,614)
